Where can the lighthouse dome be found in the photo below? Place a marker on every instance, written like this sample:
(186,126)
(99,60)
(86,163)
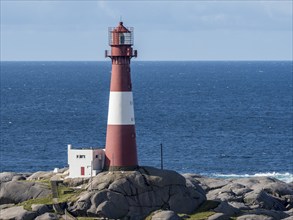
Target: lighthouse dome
(120,28)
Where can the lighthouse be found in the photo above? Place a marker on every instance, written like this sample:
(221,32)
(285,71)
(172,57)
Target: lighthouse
(120,152)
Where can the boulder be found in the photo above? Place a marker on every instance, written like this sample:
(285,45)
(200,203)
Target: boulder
(227,209)
(47,216)
(10,176)
(272,213)
(288,201)
(134,194)
(230,192)
(63,170)
(41,208)
(289,212)
(110,204)
(239,205)
(110,210)
(17,213)
(181,200)
(288,218)
(209,183)
(16,192)
(261,199)
(255,183)
(6,176)
(278,189)
(166,215)
(75,182)
(254,217)
(5,206)
(82,205)
(40,175)
(218,216)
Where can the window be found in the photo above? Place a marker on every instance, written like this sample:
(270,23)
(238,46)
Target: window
(121,38)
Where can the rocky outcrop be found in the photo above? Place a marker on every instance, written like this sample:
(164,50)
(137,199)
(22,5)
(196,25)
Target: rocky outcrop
(19,191)
(41,209)
(158,194)
(48,216)
(10,176)
(248,198)
(17,213)
(134,194)
(166,215)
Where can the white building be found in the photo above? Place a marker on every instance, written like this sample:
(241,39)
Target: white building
(85,162)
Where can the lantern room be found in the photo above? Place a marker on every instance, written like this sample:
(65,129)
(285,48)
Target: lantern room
(120,35)
(121,41)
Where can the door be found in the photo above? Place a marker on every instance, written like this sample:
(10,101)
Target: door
(82,171)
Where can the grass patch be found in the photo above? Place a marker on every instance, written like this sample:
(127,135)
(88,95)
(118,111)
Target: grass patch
(45,182)
(27,205)
(200,215)
(203,212)
(66,194)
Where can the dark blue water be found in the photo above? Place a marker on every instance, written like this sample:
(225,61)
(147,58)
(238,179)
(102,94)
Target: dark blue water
(211,117)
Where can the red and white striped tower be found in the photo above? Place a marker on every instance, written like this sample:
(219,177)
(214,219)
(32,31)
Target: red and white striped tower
(121,153)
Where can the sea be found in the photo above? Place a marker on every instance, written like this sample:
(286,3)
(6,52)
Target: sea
(214,118)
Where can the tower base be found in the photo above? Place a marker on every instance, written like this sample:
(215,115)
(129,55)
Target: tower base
(121,168)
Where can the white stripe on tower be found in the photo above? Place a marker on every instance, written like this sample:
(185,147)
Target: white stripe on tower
(121,110)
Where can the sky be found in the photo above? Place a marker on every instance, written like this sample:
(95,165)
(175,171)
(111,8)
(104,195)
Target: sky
(163,30)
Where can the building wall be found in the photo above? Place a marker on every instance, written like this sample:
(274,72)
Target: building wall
(85,162)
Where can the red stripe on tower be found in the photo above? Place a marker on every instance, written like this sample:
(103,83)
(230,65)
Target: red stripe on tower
(121,153)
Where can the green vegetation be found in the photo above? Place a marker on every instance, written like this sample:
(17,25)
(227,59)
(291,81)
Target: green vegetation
(200,215)
(204,211)
(28,204)
(65,194)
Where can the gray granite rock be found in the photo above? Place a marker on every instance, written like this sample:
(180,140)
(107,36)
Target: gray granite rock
(6,176)
(165,215)
(289,212)
(210,183)
(254,217)
(5,206)
(219,216)
(263,200)
(227,209)
(135,194)
(74,182)
(239,205)
(110,204)
(47,216)
(272,213)
(16,192)
(41,175)
(11,176)
(41,208)
(17,213)
(112,210)
(261,197)
(82,205)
